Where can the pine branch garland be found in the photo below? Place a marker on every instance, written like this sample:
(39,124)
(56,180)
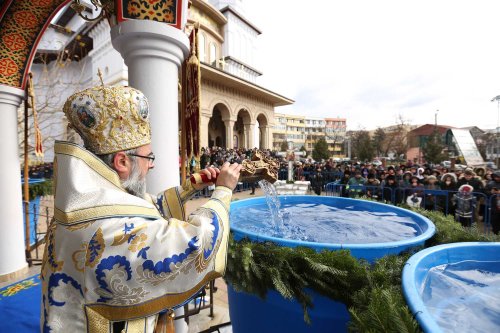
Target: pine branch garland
(371,292)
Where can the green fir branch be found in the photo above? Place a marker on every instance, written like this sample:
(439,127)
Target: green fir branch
(372,293)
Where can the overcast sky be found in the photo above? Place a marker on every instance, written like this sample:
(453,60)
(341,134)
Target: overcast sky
(371,61)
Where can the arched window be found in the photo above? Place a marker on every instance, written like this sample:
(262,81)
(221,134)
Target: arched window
(213,53)
(201,46)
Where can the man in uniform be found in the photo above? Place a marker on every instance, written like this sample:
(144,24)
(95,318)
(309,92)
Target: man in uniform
(116,257)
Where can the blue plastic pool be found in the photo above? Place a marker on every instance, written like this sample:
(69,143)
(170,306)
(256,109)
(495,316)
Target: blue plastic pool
(455,287)
(275,314)
(243,211)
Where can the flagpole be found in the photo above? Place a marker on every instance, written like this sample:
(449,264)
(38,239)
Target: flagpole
(26,195)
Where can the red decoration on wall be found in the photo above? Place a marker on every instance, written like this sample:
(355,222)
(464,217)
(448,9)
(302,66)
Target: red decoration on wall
(21,24)
(42,3)
(165,11)
(25,19)
(14,42)
(8,67)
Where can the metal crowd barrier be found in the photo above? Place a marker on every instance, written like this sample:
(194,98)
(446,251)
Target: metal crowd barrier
(436,200)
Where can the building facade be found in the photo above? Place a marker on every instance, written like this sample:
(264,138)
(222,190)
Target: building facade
(303,131)
(335,130)
(235,110)
(314,130)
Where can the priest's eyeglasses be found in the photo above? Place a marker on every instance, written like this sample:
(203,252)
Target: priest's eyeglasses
(151,157)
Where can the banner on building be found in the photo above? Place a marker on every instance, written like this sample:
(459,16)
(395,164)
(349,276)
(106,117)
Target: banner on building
(191,95)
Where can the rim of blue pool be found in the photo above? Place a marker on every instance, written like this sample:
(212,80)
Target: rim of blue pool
(428,228)
(417,267)
(32,181)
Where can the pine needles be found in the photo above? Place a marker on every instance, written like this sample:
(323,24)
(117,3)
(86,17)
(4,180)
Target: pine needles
(371,292)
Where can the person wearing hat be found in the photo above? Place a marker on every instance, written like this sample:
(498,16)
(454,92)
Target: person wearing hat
(493,192)
(344,182)
(356,184)
(389,188)
(431,201)
(449,183)
(415,192)
(116,256)
(465,205)
(372,186)
(469,178)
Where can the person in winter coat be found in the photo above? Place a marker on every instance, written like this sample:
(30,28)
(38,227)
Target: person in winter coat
(420,174)
(493,192)
(355,184)
(465,204)
(432,201)
(469,178)
(389,189)
(344,181)
(317,182)
(414,193)
(372,187)
(449,183)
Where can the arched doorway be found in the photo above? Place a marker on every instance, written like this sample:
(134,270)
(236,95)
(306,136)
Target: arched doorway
(217,132)
(242,128)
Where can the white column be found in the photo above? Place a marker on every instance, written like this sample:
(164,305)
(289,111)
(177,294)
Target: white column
(12,255)
(268,137)
(153,52)
(229,124)
(249,129)
(204,120)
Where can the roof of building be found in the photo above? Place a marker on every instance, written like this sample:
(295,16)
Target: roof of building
(428,129)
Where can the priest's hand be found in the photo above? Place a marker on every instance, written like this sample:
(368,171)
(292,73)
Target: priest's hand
(229,175)
(210,173)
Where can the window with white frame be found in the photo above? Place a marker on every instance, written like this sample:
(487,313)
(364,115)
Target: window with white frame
(213,53)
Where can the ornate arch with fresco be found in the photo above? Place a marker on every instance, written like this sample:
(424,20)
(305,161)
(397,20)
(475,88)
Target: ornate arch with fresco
(22,23)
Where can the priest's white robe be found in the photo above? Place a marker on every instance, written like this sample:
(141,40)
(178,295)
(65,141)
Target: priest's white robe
(111,256)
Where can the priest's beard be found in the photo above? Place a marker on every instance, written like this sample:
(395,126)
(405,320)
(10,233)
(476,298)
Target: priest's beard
(135,184)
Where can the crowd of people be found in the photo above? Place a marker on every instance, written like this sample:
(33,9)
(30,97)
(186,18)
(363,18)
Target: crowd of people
(44,170)
(464,193)
(401,183)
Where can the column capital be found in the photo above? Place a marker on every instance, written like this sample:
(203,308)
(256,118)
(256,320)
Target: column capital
(146,39)
(11,95)
(229,121)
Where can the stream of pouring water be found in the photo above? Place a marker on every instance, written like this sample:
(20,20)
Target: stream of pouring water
(281,218)
(274,204)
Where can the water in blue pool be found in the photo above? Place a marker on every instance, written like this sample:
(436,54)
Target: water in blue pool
(326,224)
(464,296)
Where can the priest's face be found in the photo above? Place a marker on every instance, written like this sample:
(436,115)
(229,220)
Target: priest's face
(143,160)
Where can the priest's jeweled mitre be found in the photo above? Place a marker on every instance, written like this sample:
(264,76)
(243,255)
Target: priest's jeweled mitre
(109,119)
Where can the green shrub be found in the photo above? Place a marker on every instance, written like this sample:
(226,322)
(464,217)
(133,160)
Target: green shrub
(40,189)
